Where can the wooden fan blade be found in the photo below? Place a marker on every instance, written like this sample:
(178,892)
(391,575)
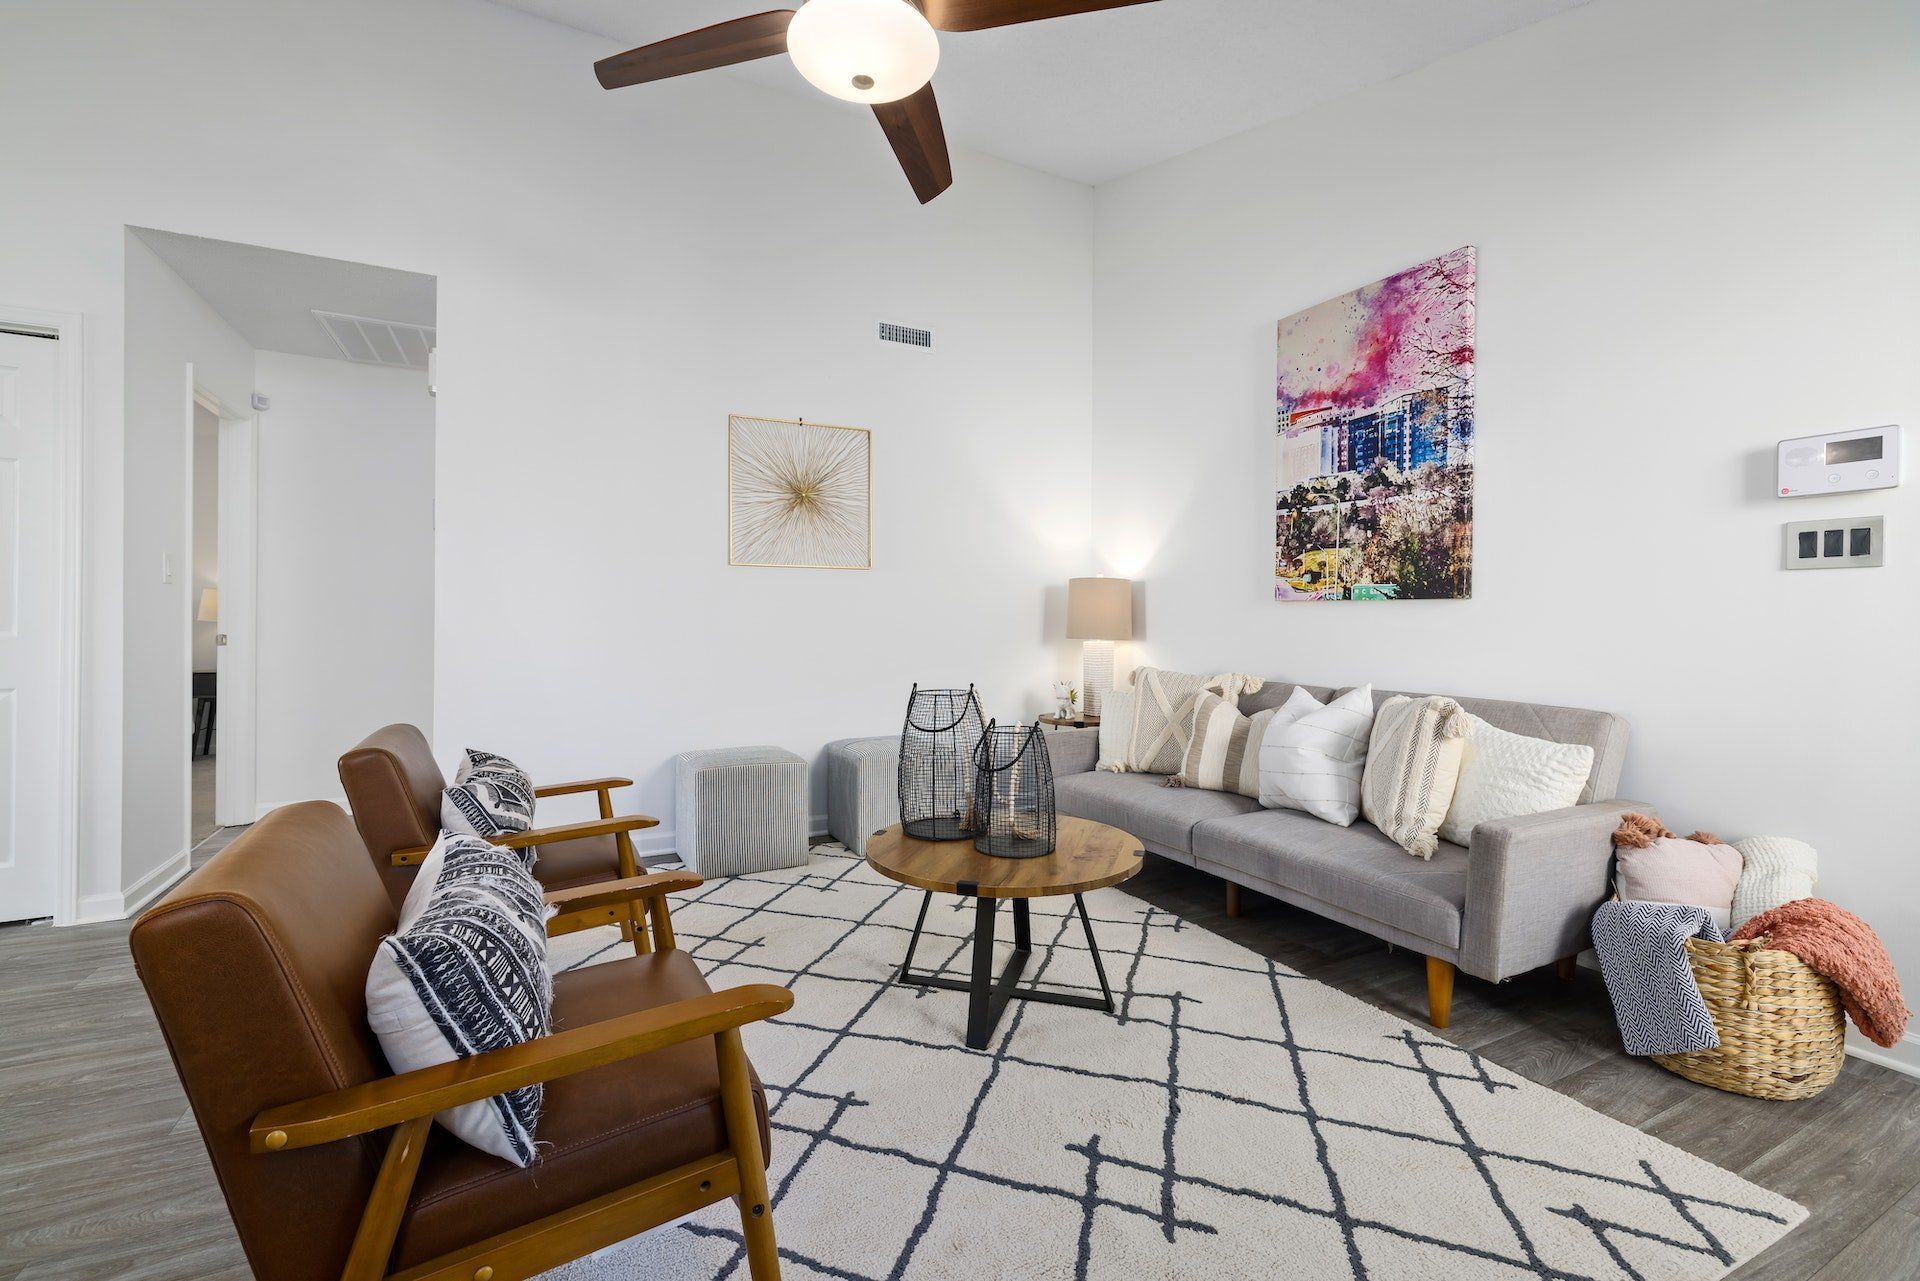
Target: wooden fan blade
(721,45)
(919,142)
(978,15)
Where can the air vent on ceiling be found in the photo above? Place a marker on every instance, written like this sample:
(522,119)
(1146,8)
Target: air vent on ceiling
(367,341)
(905,334)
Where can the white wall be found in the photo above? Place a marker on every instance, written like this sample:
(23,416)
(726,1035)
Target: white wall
(617,272)
(206,530)
(345,617)
(1696,227)
(168,328)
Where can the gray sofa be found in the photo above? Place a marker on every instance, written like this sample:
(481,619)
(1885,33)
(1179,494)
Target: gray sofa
(1520,896)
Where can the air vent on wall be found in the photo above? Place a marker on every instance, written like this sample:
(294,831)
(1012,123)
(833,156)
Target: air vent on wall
(367,341)
(905,334)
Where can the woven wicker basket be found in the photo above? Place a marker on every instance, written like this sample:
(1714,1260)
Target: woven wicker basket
(1782,1031)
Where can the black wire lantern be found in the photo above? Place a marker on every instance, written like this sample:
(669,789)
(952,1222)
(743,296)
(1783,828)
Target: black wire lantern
(936,763)
(1014,812)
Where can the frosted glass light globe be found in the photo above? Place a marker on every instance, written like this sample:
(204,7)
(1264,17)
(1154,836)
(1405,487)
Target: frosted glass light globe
(863,50)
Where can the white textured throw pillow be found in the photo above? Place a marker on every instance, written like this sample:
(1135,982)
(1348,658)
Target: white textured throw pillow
(466,972)
(1116,728)
(1774,870)
(1314,754)
(1506,775)
(1413,762)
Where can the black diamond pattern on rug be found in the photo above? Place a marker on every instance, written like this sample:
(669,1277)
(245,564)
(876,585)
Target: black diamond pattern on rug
(1234,1119)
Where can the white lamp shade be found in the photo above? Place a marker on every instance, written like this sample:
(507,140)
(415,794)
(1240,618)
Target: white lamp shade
(863,50)
(1100,609)
(209,611)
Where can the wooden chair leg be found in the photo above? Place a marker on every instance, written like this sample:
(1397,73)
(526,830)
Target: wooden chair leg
(1439,992)
(1566,967)
(743,1135)
(633,925)
(1233,899)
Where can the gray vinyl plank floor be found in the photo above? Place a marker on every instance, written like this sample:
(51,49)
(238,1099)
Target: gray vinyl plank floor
(102,1176)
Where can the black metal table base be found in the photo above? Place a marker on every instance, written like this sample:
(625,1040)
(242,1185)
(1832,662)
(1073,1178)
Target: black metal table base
(988,995)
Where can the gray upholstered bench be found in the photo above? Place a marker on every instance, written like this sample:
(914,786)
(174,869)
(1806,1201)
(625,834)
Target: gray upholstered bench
(740,809)
(863,788)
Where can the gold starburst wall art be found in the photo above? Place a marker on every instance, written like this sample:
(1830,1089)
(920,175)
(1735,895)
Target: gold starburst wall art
(799,495)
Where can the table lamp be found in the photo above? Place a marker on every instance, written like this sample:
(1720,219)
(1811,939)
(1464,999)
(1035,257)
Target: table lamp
(209,611)
(1099,612)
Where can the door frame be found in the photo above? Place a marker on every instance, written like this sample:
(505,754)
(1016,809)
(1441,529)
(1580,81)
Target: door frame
(235,664)
(70,328)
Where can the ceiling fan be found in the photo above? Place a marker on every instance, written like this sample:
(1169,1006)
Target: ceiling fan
(881,52)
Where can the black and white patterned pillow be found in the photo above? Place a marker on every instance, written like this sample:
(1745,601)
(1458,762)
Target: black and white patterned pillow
(490,796)
(467,972)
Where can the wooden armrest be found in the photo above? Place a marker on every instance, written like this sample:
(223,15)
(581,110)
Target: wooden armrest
(582,785)
(574,831)
(390,1100)
(584,898)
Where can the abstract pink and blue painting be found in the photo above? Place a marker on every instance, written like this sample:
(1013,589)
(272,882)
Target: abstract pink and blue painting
(1373,440)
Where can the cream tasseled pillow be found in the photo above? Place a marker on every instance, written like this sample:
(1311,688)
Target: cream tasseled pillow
(1506,775)
(1163,714)
(1413,763)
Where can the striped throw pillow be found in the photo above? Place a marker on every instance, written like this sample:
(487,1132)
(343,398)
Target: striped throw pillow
(1314,753)
(1413,763)
(1223,748)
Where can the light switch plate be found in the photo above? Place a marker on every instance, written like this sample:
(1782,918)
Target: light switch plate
(1857,542)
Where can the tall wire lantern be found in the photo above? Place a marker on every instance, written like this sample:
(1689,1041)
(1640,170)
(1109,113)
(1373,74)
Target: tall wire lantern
(1013,804)
(936,763)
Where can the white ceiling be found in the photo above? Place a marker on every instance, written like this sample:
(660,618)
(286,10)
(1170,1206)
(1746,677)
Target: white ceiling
(1096,96)
(269,295)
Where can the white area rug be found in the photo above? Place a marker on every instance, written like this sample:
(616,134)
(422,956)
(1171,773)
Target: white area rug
(1235,1120)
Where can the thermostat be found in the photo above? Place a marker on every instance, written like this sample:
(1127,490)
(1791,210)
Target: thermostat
(1840,462)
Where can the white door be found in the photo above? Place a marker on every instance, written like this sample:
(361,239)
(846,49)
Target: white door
(29,625)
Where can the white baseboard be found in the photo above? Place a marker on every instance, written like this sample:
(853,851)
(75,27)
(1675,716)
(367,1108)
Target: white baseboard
(115,907)
(1903,1056)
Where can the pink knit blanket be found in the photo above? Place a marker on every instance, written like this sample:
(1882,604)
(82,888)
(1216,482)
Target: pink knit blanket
(1843,948)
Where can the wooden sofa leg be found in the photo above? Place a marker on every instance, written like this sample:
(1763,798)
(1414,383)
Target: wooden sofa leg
(1439,992)
(743,1135)
(1233,899)
(1566,967)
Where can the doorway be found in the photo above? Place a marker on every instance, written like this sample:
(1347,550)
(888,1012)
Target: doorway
(203,727)
(298,616)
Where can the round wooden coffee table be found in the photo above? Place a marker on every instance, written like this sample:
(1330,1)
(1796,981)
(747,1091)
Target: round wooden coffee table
(1088,856)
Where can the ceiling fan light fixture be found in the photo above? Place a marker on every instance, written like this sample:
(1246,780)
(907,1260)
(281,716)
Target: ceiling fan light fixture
(863,50)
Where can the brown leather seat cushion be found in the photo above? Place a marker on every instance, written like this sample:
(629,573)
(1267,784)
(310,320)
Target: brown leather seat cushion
(599,1130)
(565,864)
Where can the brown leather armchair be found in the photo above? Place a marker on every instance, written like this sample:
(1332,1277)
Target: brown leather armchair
(393,786)
(256,966)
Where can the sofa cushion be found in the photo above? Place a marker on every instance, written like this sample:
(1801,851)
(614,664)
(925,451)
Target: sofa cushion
(1356,868)
(1145,806)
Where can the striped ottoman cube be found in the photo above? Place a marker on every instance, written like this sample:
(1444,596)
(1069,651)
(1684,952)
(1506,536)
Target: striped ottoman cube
(740,809)
(863,788)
